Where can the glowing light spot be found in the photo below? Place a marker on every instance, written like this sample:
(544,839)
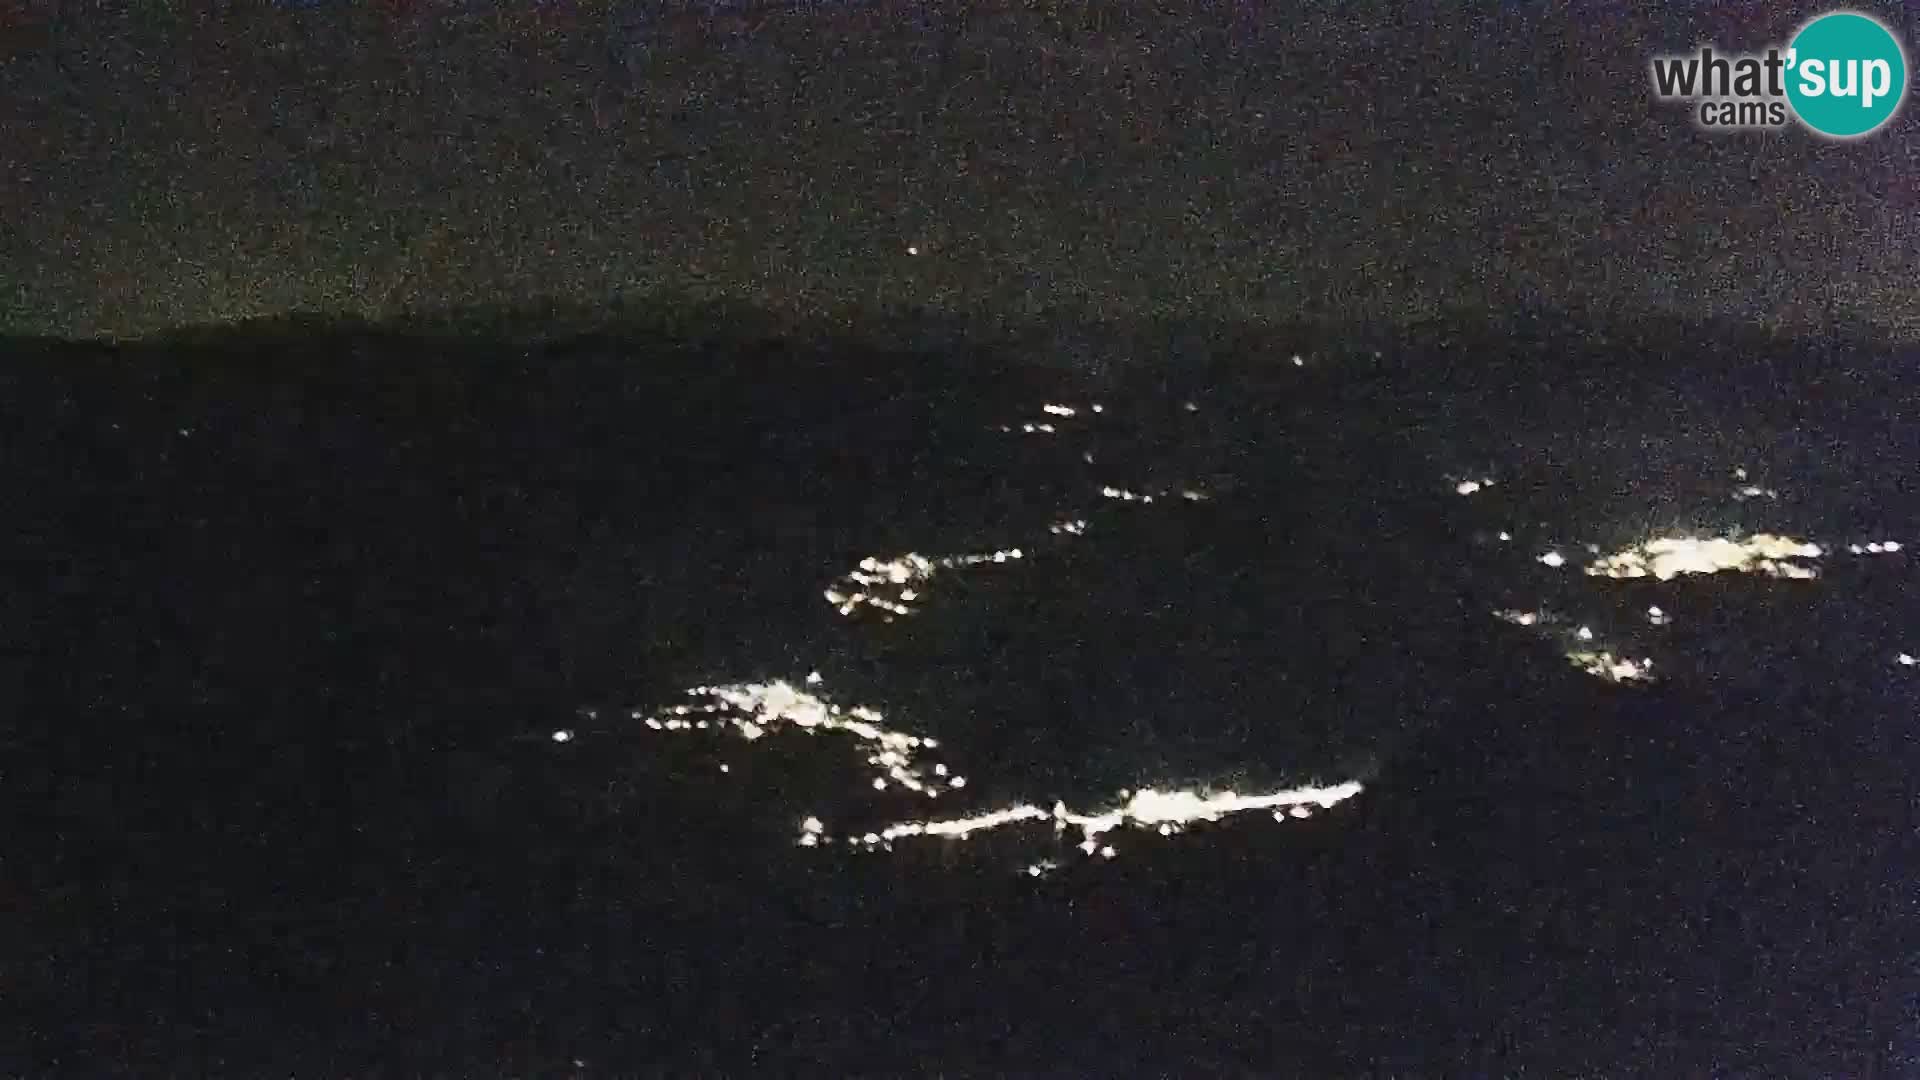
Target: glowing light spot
(1107,852)
(1584,633)
(1906,660)
(1299,361)
(1504,535)
(563,736)
(1057,410)
(913,249)
(1554,559)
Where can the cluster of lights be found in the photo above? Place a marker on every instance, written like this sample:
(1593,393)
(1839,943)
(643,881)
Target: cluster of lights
(1878,547)
(893,585)
(1472,485)
(1074,527)
(1119,494)
(752,711)
(1612,668)
(1670,557)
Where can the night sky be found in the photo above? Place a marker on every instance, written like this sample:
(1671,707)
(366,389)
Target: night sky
(1351,161)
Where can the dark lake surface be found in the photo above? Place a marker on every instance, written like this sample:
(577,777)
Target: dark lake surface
(347,665)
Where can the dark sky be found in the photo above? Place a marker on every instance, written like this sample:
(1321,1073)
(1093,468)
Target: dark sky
(1362,160)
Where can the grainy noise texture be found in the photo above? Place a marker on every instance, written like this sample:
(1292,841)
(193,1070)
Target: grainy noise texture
(182,165)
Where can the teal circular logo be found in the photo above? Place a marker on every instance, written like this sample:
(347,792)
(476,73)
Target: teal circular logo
(1846,75)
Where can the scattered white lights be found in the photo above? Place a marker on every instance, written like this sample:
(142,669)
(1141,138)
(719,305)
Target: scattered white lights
(903,779)
(1667,558)
(890,585)
(752,711)
(1578,646)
